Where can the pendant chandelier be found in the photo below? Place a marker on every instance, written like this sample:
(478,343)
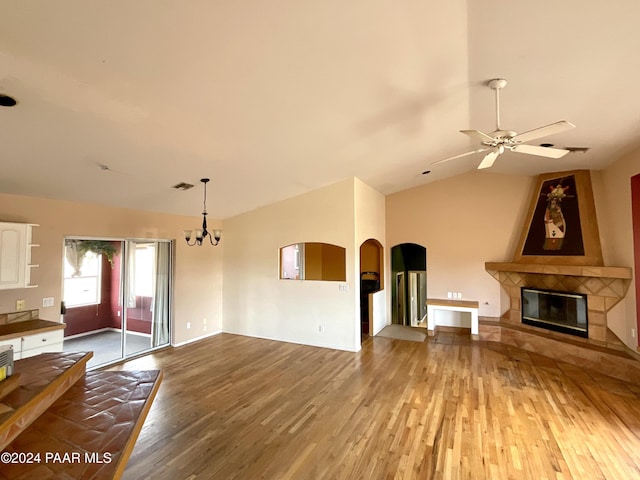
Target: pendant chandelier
(202,233)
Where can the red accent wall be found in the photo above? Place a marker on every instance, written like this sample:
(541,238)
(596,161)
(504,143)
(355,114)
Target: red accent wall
(109,313)
(139,318)
(92,317)
(635,214)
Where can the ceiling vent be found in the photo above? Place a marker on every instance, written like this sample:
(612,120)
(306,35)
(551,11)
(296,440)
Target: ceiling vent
(577,149)
(183,186)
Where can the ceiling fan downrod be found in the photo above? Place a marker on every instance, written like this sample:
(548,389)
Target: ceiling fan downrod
(498,84)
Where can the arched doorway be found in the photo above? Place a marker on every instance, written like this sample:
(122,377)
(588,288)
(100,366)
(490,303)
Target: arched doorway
(409,286)
(371,281)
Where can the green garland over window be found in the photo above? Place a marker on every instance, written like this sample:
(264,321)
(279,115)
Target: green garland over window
(96,246)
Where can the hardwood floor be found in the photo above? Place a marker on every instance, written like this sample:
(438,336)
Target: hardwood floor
(233,407)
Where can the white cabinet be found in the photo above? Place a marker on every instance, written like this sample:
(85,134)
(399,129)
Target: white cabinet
(37,343)
(34,344)
(15,255)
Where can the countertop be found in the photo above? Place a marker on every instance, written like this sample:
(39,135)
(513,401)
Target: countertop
(28,327)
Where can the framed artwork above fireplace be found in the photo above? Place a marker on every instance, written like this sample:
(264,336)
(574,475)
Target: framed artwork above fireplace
(555,225)
(561,226)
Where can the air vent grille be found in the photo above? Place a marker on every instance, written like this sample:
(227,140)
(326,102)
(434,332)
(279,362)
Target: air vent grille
(183,186)
(577,149)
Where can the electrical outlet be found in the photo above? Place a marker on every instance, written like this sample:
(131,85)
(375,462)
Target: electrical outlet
(188,324)
(20,305)
(204,324)
(633,333)
(320,328)
(449,294)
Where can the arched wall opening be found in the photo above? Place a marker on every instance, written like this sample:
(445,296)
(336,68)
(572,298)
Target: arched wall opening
(371,281)
(409,285)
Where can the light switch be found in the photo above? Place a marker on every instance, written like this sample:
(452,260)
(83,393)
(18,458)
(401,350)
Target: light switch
(47,302)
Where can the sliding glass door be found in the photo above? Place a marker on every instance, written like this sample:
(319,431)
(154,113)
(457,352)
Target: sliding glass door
(147,295)
(117,297)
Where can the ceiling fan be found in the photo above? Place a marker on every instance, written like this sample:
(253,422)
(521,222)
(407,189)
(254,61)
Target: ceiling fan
(500,140)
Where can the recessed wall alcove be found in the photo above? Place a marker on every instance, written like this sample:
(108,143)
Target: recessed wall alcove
(313,261)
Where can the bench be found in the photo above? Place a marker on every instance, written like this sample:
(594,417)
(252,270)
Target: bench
(466,306)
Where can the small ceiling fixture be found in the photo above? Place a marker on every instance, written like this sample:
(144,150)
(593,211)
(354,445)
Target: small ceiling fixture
(7,101)
(202,233)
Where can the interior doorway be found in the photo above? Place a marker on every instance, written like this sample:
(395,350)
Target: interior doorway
(116,297)
(409,291)
(371,281)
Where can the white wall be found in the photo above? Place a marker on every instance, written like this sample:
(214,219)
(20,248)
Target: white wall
(198,270)
(379,308)
(257,303)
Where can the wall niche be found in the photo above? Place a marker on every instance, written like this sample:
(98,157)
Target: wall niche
(313,261)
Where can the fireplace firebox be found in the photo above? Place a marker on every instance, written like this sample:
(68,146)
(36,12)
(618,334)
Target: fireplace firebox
(564,312)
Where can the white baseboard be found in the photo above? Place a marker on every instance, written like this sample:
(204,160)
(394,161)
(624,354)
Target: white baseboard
(84,334)
(285,340)
(186,342)
(106,329)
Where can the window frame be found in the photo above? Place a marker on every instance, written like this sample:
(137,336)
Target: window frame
(97,283)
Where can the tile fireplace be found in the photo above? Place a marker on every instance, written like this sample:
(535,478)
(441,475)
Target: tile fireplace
(603,288)
(545,277)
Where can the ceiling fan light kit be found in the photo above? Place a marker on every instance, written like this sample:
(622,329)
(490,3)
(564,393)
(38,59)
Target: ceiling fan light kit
(500,140)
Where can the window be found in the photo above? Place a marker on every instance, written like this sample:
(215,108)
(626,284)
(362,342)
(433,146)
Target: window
(82,287)
(290,264)
(145,271)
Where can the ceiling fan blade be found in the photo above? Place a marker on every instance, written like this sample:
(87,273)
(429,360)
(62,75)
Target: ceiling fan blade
(488,159)
(540,151)
(557,127)
(477,135)
(459,156)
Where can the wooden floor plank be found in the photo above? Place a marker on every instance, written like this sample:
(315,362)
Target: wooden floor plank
(234,407)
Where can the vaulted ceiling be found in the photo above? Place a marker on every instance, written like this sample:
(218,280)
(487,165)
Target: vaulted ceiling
(119,101)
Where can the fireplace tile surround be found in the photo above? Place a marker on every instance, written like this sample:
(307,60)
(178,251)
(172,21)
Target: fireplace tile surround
(604,287)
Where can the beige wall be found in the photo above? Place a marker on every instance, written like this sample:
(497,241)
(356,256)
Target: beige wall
(463,222)
(257,303)
(613,203)
(198,270)
(477,217)
(370,222)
